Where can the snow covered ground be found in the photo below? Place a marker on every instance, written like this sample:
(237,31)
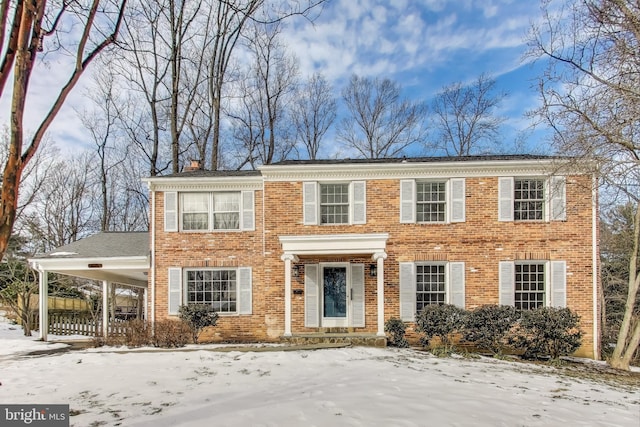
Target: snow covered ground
(330,387)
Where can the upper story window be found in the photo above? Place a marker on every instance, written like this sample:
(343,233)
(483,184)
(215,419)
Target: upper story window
(334,203)
(432,201)
(532,199)
(209,211)
(528,199)
(204,211)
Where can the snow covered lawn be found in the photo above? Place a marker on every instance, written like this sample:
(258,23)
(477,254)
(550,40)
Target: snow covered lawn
(330,387)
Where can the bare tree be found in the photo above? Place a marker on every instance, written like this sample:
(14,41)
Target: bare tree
(464,117)
(24,24)
(380,123)
(313,112)
(591,98)
(18,283)
(261,124)
(64,209)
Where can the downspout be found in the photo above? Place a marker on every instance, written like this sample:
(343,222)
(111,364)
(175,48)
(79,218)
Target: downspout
(152,279)
(596,262)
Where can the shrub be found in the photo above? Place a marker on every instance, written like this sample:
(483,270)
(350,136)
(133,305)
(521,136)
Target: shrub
(441,321)
(171,333)
(547,332)
(198,317)
(487,327)
(396,328)
(136,333)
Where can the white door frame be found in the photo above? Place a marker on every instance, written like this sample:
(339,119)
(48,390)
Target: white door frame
(335,321)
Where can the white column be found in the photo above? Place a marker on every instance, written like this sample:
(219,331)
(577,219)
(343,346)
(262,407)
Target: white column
(105,308)
(287,258)
(43,301)
(379,257)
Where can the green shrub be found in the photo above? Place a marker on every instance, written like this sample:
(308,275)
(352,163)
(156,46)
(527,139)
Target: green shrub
(396,329)
(198,317)
(170,333)
(441,321)
(547,332)
(488,326)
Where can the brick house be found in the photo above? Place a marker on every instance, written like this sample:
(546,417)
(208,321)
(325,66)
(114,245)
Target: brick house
(304,247)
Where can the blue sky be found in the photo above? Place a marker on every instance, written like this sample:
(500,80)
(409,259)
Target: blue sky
(423,45)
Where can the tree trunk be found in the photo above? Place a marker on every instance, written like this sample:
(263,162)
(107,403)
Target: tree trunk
(630,327)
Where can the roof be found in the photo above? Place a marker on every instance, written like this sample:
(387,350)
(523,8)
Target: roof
(201,173)
(104,245)
(437,159)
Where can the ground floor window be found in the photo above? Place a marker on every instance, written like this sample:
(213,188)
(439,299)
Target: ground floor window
(529,285)
(430,285)
(217,288)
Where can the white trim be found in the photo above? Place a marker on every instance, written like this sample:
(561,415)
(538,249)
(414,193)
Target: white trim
(594,261)
(335,321)
(334,244)
(410,170)
(152,261)
(220,183)
(43,303)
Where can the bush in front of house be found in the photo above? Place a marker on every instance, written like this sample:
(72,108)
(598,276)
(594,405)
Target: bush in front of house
(396,329)
(488,327)
(136,333)
(547,332)
(441,322)
(170,333)
(198,317)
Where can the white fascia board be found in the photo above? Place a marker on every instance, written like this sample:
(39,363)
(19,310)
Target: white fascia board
(115,263)
(401,170)
(204,183)
(339,244)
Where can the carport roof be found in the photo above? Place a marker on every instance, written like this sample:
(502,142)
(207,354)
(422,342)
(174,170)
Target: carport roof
(121,257)
(104,244)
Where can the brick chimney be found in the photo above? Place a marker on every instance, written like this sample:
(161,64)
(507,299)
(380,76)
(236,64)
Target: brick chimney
(194,165)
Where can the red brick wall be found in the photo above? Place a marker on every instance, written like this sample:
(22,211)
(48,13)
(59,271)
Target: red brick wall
(481,242)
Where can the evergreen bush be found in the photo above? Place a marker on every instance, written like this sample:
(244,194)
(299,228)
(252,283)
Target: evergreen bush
(198,317)
(441,321)
(488,327)
(547,332)
(396,329)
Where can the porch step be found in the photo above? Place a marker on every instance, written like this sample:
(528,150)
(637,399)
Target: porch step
(337,330)
(356,339)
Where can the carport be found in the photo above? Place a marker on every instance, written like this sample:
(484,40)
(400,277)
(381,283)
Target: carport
(108,257)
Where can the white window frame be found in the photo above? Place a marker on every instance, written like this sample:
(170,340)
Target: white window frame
(245,213)
(554,202)
(546,299)
(312,209)
(186,272)
(555,286)
(447,292)
(409,202)
(543,201)
(348,204)
(446,201)
(408,286)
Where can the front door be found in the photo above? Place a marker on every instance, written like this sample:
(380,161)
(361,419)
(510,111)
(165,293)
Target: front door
(334,296)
